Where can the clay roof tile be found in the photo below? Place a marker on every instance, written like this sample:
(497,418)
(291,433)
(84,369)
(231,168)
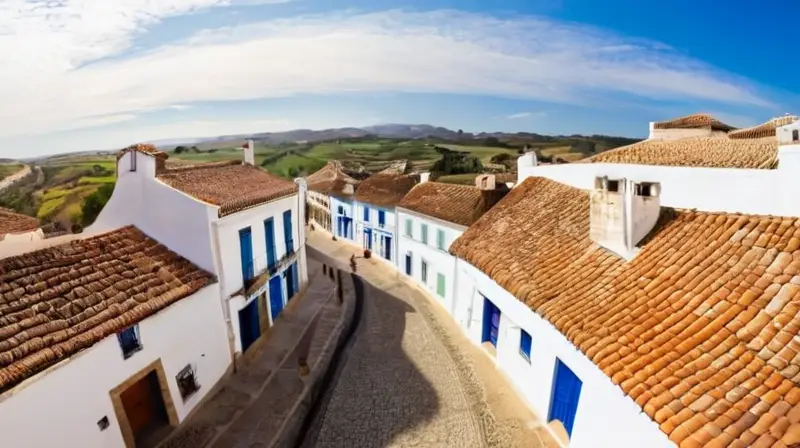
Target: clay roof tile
(459,204)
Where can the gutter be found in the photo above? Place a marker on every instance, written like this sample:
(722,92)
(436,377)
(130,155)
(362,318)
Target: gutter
(226,312)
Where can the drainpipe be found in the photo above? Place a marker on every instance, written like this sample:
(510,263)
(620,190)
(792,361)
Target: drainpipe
(226,311)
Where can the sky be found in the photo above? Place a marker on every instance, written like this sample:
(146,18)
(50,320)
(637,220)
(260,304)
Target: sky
(80,75)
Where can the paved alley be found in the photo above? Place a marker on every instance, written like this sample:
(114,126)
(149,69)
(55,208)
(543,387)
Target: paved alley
(400,383)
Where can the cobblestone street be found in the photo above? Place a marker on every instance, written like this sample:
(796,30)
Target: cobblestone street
(398,384)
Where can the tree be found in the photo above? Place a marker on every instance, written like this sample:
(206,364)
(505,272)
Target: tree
(94,203)
(180,149)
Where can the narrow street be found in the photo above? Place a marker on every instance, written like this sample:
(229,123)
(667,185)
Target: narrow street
(400,384)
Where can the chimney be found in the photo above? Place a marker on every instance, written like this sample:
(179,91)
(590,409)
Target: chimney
(249,155)
(424,177)
(486,182)
(622,213)
(348,189)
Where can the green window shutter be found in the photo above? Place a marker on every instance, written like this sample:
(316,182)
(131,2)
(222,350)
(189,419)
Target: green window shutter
(409,228)
(424,228)
(440,239)
(440,284)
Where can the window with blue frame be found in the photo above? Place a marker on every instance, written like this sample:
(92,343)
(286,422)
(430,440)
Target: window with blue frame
(246,251)
(341,210)
(525,345)
(269,237)
(129,341)
(287,232)
(381,218)
(366,214)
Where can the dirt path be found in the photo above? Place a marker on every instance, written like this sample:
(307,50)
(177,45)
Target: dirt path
(10,180)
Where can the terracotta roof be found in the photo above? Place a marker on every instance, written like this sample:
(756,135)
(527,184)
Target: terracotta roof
(331,179)
(709,152)
(763,130)
(13,222)
(694,121)
(145,148)
(700,329)
(233,185)
(58,301)
(385,190)
(459,204)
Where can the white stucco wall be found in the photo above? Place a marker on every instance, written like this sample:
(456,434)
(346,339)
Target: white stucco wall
(348,209)
(439,261)
(605,416)
(61,407)
(372,222)
(733,190)
(169,216)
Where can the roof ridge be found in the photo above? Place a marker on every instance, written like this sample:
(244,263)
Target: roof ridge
(201,166)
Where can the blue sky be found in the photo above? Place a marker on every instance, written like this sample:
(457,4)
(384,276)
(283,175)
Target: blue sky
(82,75)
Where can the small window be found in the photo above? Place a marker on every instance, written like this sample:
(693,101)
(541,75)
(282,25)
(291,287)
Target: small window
(525,345)
(795,135)
(366,214)
(341,210)
(103,423)
(440,285)
(644,189)
(440,239)
(424,272)
(409,228)
(613,186)
(424,232)
(381,218)
(187,382)
(129,341)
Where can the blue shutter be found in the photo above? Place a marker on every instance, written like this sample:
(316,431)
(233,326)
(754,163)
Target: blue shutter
(287,232)
(246,250)
(525,345)
(381,218)
(565,396)
(269,233)
(366,214)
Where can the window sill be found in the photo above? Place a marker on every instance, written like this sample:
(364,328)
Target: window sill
(525,357)
(129,353)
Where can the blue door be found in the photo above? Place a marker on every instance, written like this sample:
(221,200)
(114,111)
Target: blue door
(289,275)
(340,226)
(348,228)
(269,232)
(387,247)
(491,322)
(248,324)
(246,250)
(287,231)
(566,393)
(368,239)
(275,297)
(408,264)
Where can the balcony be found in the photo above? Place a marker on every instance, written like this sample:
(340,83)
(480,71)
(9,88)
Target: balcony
(263,272)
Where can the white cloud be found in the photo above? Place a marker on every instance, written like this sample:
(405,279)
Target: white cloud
(45,71)
(521,115)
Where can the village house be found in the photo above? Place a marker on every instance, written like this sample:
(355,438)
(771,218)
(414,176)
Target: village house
(430,217)
(17,228)
(96,349)
(648,297)
(376,198)
(232,219)
(330,200)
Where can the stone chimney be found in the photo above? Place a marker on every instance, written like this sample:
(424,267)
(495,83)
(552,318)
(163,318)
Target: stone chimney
(249,154)
(424,177)
(622,213)
(486,182)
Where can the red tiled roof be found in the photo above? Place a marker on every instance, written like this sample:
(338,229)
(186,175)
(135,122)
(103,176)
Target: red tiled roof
(13,222)
(692,122)
(58,301)
(700,329)
(233,186)
(145,148)
(385,190)
(459,204)
(331,179)
(767,129)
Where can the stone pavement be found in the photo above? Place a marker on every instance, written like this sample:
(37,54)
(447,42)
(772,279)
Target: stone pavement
(251,406)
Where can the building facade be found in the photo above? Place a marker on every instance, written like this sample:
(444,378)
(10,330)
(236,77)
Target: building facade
(108,358)
(231,218)
(330,198)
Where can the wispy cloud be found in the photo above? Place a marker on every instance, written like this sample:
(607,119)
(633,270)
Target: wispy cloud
(47,46)
(521,115)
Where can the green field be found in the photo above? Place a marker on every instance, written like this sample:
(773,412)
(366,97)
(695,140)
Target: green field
(7,169)
(86,180)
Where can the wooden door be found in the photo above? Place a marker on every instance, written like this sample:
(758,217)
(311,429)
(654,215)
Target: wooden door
(144,405)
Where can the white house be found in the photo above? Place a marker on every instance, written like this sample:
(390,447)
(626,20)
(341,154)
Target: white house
(430,217)
(649,297)
(376,198)
(230,218)
(330,200)
(17,228)
(96,349)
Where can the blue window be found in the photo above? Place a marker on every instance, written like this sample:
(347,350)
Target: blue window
(341,210)
(269,236)
(129,341)
(381,218)
(366,214)
(246,250)
(491,322)
(525,345)
(565,396)
(287,232)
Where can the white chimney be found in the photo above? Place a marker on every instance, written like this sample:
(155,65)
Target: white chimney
(789,147)
(249,154)
(622,213)
(524,164)
(424,177)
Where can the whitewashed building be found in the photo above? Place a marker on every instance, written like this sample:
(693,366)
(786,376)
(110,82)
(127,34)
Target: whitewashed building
(430,217)
(330,200)
(649,297)
(96,350)
(376,222)
(16,228)
(231,218)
